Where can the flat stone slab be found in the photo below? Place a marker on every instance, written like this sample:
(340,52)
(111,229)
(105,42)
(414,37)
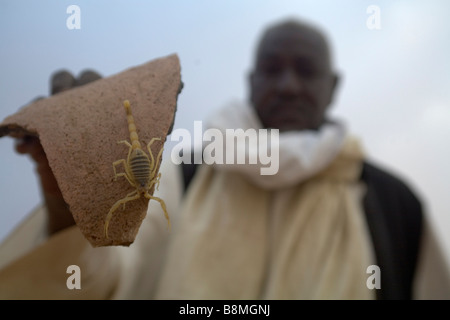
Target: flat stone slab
(79,130)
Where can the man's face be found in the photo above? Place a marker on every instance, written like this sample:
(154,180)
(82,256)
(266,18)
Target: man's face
(292,84)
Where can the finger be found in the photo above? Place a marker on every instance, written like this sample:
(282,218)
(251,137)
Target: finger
(61,81)
(86,77)
(31,145)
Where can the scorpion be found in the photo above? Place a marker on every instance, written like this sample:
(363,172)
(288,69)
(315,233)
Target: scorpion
(140,170)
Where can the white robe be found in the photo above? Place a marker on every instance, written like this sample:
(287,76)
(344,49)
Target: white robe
(33,266)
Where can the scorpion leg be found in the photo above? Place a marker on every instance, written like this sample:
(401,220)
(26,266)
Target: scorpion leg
(158,160)
(122,174)
(163,206)
(125,142)
(157,180)
(130,149)
(127,174)
(130,197)
(152,163)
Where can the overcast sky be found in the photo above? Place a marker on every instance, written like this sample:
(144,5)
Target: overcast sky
(394,92)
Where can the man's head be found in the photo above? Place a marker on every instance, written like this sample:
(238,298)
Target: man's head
(292,83)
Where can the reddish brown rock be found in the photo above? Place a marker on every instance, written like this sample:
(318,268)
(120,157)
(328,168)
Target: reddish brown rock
(79,130)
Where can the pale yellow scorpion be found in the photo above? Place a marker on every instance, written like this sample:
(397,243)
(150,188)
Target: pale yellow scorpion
(140,170)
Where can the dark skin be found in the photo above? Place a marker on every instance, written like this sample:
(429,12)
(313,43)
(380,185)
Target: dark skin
(291,88)
(292,84)
(59,215)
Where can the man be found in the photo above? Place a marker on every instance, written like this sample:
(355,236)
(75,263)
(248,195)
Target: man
(311,231)
(348,215)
